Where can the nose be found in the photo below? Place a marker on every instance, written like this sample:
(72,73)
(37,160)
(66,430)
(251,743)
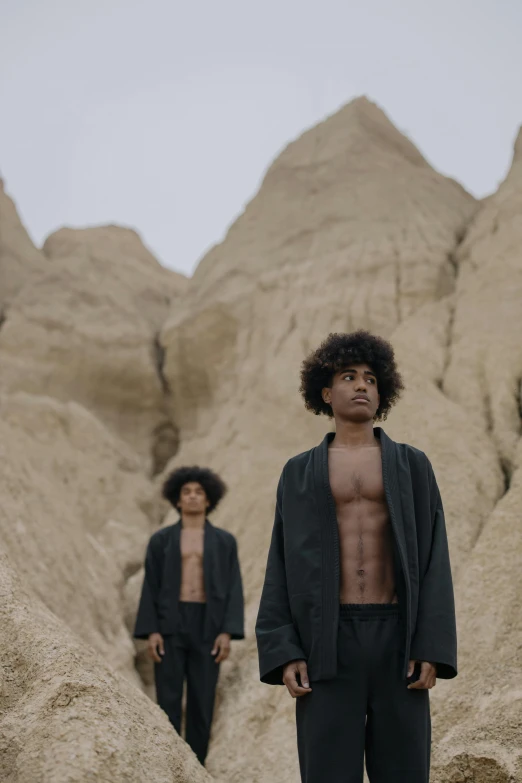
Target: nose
(361,385)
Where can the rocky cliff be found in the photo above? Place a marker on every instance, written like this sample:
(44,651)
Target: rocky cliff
(114,368)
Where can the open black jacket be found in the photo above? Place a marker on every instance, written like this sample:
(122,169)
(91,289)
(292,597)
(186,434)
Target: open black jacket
(299,611)
(158,609)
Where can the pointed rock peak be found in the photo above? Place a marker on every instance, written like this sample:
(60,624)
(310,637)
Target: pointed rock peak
(108,242)
(359,128)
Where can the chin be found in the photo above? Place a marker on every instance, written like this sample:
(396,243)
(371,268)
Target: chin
(360,416)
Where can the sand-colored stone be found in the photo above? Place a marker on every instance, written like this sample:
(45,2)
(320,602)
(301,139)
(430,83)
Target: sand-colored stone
(19,259)
(85,329)
(351,228)
(68,717)
(74,516)
(243,344)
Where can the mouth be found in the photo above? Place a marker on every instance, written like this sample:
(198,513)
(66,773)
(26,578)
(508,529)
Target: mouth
(361,398)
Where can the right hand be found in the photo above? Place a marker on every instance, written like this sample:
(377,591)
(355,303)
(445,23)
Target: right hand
(290,673)
(156,648)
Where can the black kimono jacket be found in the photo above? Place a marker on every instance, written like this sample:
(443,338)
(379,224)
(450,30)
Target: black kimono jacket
(158,609)
(299,611)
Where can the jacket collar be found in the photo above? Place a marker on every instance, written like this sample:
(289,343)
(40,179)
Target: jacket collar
(179,525)
(387,443)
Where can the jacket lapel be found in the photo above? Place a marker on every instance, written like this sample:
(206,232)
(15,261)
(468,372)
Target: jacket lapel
(172,564)
(208,559)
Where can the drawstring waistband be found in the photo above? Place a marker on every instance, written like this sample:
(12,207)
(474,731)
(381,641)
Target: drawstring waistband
(369,611)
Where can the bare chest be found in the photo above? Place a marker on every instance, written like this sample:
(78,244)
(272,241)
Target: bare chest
(191,545)
(356,476)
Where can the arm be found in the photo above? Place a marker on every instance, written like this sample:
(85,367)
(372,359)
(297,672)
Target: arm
(233,623)
(147,621)
(435,638)
(277,638)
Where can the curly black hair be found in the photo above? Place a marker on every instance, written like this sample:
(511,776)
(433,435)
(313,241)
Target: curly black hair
(215,488)
(335,354)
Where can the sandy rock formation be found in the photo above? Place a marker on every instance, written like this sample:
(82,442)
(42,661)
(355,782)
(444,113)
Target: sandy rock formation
(66,716)
(19,259)
(73,516)
(484,375)
(85,329)
(351,228)
(77,506)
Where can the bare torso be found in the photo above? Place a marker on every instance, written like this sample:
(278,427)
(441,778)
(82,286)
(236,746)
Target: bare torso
(366,543)
(192,581)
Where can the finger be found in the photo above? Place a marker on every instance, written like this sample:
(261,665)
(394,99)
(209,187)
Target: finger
(293,686)
(419,685)
(161,647)
(154,655)
(214,650)
(411,668)
(296,691)
(303,674)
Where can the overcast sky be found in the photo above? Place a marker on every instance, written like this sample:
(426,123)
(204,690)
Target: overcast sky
(163,115)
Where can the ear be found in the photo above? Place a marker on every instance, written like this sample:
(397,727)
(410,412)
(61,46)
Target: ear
(326,394)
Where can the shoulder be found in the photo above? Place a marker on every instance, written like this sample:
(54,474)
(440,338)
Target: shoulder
(297,463)
(412,453)
(417,462)
(160,537)
(225,536)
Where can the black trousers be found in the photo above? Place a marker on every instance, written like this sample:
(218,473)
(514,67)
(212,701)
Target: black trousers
(366,709)
(187,657)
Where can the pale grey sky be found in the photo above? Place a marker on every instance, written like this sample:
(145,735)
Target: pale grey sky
(163,115)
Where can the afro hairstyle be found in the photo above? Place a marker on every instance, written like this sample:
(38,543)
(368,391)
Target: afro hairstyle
(335,354)
(215,488)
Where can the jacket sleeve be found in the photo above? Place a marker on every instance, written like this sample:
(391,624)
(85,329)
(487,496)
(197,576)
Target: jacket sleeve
(234,622)
(278,642)
(147,619)
(435,638)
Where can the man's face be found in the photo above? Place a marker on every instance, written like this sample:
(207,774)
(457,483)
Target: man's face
(193,499)
(353,394)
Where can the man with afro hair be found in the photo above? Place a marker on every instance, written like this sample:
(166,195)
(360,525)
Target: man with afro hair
(357,614)
(191,602)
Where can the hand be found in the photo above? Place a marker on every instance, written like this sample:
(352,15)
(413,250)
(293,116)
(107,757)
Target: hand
(156,648)
(428,676)
(221,647)
(290,673)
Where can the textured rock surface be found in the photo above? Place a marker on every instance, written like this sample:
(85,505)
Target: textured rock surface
(72,517)
(19,259)
(351,228)
(67,717)
(86,329)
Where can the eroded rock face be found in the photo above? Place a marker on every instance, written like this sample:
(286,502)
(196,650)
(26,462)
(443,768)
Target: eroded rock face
(351,228)
(19,259)
(72,518)
(85,329)
(68,717)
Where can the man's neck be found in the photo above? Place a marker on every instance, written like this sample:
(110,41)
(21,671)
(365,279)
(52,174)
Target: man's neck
(353,434)
(193,521)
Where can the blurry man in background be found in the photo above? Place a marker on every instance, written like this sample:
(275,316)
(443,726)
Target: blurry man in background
(357,615)
(191,603)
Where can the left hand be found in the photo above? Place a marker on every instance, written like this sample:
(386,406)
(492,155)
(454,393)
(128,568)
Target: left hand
(428,676)
(221,647)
